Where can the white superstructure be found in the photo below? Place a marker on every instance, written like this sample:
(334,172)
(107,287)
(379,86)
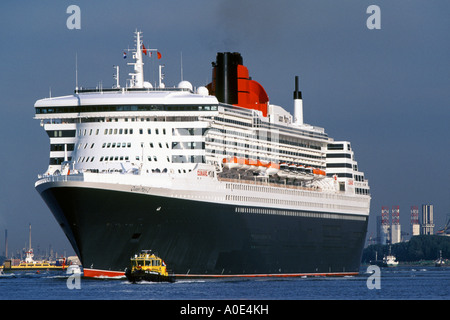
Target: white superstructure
(183,142)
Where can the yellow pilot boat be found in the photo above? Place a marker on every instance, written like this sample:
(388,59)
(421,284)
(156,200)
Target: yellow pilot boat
(146,266)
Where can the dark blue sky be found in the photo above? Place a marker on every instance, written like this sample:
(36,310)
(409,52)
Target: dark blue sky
(387,91)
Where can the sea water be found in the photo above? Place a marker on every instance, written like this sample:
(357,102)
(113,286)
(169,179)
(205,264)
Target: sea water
(399,283)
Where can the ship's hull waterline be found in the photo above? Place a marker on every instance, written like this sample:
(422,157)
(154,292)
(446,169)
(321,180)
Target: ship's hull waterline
(202,239)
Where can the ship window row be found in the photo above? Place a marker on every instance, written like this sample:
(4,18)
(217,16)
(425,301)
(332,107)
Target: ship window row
(119,131)
(339,165)
(362,191)
(240,123)
(119,108)
(282,128)
(277,154)
(339,155)
(188,159)
(85,145)
(60,147)
(85,132)
(116,145)
(161,145)
(263,138)
(189,131)
(261,146)
(340,175)
(175,159)
(111,131)
(114,158)
(277,201)
(86,159)
(338,146)
(306,214)
(58,160)
(61,133)
(187,145)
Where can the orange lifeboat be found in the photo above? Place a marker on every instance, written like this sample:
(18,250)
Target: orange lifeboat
(261,166)
(319,172)
(272,168)
(230,163)
(252,164)
(241,164)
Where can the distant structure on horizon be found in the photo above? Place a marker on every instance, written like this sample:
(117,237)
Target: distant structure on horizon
(395,227)
(415,226)
(384,227)
(389,230)
(427,226)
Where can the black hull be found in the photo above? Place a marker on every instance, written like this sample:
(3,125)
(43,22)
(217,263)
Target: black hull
(107,227)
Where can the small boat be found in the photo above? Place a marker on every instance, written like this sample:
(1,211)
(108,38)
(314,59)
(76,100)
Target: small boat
(146,266)
(390,260)
(439,262)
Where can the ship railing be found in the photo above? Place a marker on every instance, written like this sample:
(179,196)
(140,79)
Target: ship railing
(271,184)
(57,178)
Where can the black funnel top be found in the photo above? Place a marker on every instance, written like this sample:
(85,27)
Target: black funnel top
(226,64)
(297,93)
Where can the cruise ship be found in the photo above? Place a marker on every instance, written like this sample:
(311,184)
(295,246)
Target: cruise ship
(215,179)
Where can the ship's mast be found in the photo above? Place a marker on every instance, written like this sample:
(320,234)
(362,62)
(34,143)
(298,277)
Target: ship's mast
(30,255)
(29,239)
(137,78)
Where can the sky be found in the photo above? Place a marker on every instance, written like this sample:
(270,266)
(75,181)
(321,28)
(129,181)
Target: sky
(385,90)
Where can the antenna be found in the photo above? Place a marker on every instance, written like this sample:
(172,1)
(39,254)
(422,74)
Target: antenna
(76,72)
(161,76)
(181,65)
(29,245)
(116,76)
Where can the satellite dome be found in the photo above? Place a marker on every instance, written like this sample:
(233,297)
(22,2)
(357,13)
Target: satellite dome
(185,85)
(147,85)
(203,91)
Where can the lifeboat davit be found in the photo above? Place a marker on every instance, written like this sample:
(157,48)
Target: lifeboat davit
(292,172)
(272,168)
(284,170)
(301,170)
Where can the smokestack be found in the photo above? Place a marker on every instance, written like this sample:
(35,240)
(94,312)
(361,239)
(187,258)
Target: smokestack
(298,104)
(226,86)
